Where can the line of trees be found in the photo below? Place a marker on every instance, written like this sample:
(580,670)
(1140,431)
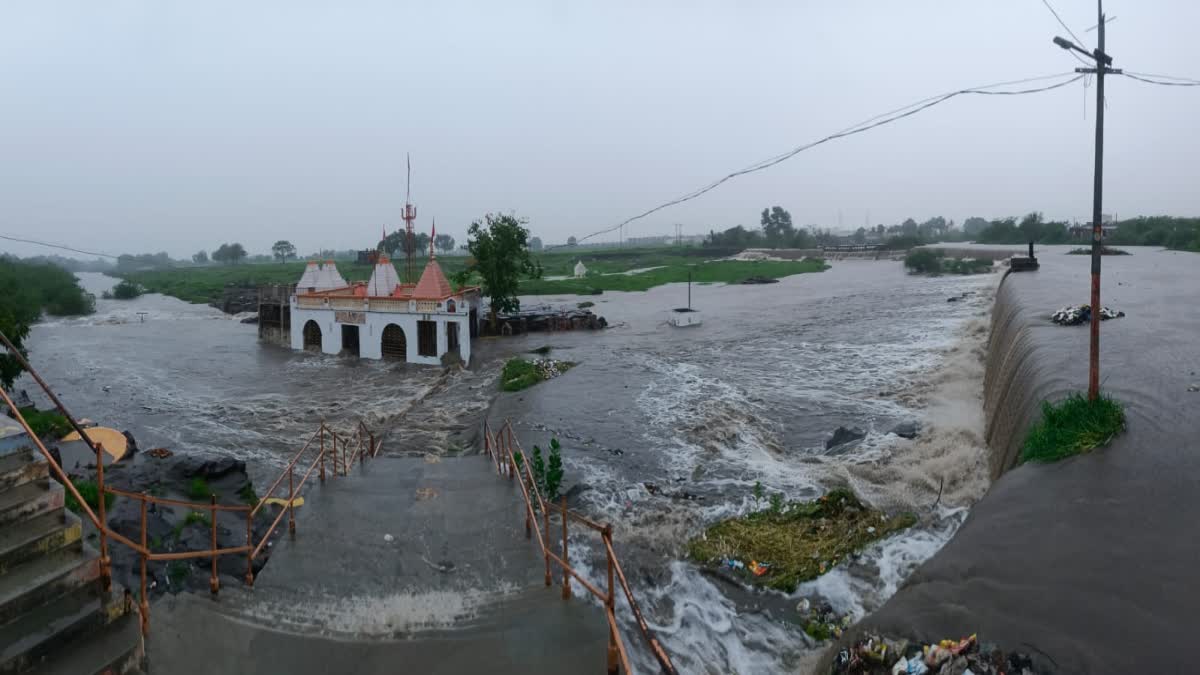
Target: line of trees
(26,290)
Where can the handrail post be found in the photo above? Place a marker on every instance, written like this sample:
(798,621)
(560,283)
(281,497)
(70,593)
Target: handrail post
(322,453)
(249,548)
(566,561)
(144,602)
(371,436)
(610,603)
(546,543)
(291,504)
(105,560)
(214,584)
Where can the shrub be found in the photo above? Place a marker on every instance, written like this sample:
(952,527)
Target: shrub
(1073,426)
(126,290)
(90,493)
(924,261)
(46,423)
(519,374)
(546,475)
(199,490)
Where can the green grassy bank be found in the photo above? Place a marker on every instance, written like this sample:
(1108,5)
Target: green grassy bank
(206,284)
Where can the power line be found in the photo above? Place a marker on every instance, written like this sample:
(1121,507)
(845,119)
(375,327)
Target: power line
(58,246)
(1061,22)
(866,125)
(1066,28)
(1163,77)
(1181,83)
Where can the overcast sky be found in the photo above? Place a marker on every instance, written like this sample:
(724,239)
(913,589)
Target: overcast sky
(158,125)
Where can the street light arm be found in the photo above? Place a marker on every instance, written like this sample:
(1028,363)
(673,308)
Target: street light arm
(1067,44)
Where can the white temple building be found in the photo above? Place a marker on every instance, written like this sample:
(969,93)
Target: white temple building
(383,318)
(580,270)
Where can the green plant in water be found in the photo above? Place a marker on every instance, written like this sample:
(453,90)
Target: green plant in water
(177,571)
(547,474)
(199,490)
(1072,426)
(776,503)
(90,493)
(248,495)
(46,423)
(757,493)
(554,470)
(799,540)
(519,374)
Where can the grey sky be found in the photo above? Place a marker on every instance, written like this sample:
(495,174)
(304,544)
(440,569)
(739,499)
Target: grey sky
(145,126)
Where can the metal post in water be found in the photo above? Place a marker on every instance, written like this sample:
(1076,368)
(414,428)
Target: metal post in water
(546,542)
(214,584)
(610,602)
(249,547)
(291,504)
(105,560)
(322,453)
(566,560)
(143,602)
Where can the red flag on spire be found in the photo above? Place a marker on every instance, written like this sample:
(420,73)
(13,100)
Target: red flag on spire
(432,236)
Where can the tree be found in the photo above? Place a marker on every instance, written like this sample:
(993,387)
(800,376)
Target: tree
(535,244)
(229,253)
(571,241)
(860,235)
(974,225)
(444,242)
(777,225)
(283,250)
(909,227)
(200,258)
(499,246)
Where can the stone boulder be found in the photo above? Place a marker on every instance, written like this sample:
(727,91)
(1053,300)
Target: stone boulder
(906,429)
(844,436)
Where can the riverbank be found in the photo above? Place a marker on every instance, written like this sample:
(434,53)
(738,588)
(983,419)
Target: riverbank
(608,270)
(1084,563)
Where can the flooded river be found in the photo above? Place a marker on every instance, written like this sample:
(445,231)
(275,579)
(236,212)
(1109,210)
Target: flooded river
(699,414)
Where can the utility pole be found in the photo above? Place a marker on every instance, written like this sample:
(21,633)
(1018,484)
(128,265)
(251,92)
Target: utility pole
(1103,63)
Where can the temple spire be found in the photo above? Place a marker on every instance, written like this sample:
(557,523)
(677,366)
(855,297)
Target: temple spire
(432,237)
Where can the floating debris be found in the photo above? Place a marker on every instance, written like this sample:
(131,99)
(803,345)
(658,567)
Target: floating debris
(874,655)
(1074,316)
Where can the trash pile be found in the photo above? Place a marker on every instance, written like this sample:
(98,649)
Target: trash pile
(1073,316)
(549,368)
(874,655)
(820,621)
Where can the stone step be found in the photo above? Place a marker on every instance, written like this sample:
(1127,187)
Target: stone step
(29,500)
(115,649)
(21,467)
(36,537)
(43,579)
(54,627)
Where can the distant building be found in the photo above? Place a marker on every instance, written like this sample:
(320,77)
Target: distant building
(383,318)
(580,270)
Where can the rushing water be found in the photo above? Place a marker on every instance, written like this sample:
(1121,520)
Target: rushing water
(700,414)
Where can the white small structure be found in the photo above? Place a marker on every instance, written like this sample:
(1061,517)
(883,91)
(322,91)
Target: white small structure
(384,318)
(580,270)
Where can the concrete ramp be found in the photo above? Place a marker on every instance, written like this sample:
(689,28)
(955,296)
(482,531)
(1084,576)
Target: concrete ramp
(456,588)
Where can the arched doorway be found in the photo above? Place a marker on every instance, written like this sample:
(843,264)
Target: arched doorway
(312,336)
(394,345)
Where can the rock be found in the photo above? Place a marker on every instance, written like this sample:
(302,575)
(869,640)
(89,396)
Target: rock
(131,447)
(906,430)
(576,490)
(209,467)
(844,436)
(758,280)
(250,319)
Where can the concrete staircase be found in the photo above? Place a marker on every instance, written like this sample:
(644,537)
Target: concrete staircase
(53,616)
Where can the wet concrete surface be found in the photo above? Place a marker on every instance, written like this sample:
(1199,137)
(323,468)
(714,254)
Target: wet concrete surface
(1088,564)
(408,564)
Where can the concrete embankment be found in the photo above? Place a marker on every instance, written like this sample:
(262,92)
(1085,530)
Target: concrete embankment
(1087,564)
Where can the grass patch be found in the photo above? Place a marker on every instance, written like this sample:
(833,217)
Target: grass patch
(1104,250)
(520,374)
(934,262)
(46,423)
(193,518)
(199,490)
(676,271)
(799,540)
(177,572)
(90,493)
(585,304)
(248,495)
(1073,426)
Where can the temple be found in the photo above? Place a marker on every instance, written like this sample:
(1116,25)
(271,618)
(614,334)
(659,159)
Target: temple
(427,322)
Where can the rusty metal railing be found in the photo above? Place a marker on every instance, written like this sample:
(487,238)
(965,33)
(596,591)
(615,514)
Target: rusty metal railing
(334,448)
(499,446)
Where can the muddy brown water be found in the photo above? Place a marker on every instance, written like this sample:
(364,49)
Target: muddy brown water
(701,414)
